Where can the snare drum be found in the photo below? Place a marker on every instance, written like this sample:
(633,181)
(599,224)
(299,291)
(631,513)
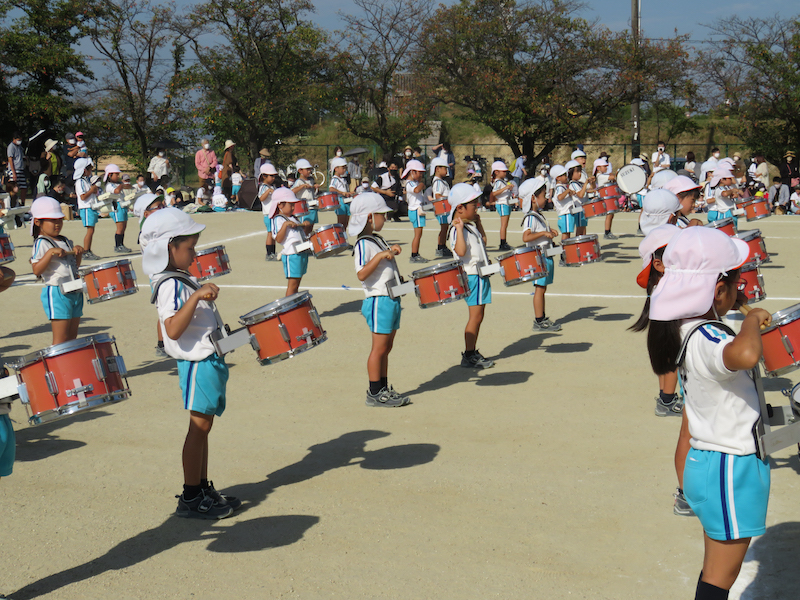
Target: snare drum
(779,340)
(725,225)
(612,204)
(441,283)
(300,208)
(609,190)
(109,280)
(284,328)
(211,262)
(758,251)
(327,202)
(6,249)
(753,283)
(756,209)
(595,208)
(581,250)
(329,240)
(522,264)
(441,207)
(71,377)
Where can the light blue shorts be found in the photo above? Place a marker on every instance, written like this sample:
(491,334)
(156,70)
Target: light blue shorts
(235,189)
(203,384)
(728,493)
(294,265)
(417,220)
(58,305)
(268,223)
(480,290)
(580,219)
(442,219)
(566,223)
(89,217)
(344,207)
(547,279)
(8,446)
(503,210)
(120,215)
(312,217)
(382,313)
(714,215)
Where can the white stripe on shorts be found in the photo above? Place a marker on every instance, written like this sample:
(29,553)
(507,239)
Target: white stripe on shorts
(191,386)
(731,503)
(375,315)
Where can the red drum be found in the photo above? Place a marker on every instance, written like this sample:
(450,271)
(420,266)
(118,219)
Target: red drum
(440,284)
(72,377)
(758,251)
(726,225)
(581,250)
(779,339)
(609,190)
(300,208)
(6,249)
(752,283)
(756,209)
(329,240)
(522,264)
(612,205)
(441,207)
(284,328)
(595,208)
(109,280)
(211,262)
(328,202)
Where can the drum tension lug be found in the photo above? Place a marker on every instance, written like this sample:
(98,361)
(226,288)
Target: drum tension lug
(99,370)
(79,390)
(254,343)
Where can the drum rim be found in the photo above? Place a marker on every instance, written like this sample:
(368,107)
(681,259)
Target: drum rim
(281,305)
(114,294)
(271,360)
(750,265)
(758,217)
(210,249)
(105,265)
(326,194)
(437,268)
(330,226)
(73,408)
(448,300)
(748,234)
(64,348)
(517,250)
(630,169)
(580,239)
(722,223)
(783,317)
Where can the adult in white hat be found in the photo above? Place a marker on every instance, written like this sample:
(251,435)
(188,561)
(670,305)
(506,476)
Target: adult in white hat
(340,187)
(229,164)
(305,189)
(86,191)
(503,194)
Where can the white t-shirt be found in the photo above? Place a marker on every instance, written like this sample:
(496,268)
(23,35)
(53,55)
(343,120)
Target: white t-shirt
(293,235)
(503,197)
(195,343)
(576,186)
(690,166)
(159,166)
(722,204)
(265,203)
(413,198)
(374,285)
(237,179)
(307,194)
(340,185)
(82,186)
(721,405)
(562,206)
(219,201)
(535,222)
(475,250)
(663,164)
(440,188)
(386,181)
(59,270)
(110,187)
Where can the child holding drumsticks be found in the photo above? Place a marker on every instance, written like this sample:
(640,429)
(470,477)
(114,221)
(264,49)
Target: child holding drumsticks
(415,196)
(501,194)
(288,231)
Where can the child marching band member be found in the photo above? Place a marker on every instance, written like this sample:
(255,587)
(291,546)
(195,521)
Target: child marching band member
(468,241)
(56,261)
(603,176)
(535,229)
(305,189)
(500,195)
(562,201)
(375,267)
(579,191)
(146,205)
(114,185)
(722,202)
(266,185)
(187,319)
(441,189)
(687,192)
(725,480)
(340,187)
(288,232)
(415,196)
(659,207)
(86,192)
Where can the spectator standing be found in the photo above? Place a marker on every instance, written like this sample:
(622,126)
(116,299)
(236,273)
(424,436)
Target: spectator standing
(691,163)
(16,165)
(205,160)
(660,159)
(354,172)
(263,159)
(520,172)
(762,171)
(159,169)
(443,151)
(229,162)
(790,177)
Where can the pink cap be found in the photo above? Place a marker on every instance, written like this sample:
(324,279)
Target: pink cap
(79,134)
(693,262)
(282,194)
(413,165)
(681,183)
(657,238)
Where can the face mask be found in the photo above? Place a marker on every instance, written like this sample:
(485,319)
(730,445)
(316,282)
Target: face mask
(408,154)
(18,142)
(716,154)
(206,146)
(338,153)
(161,154)
(660,149)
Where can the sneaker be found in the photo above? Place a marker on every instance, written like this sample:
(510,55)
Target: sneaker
(639,232)
(384,398)
(161,353)
(418,259)
(272,256)
(476,361)
(504,247)
(89,255)
(447,253)
(681,506)
(202,507)
(125,248)
(120,249)
(674,408)
(609,236)
(398,396)
(546,325)
(439,253)
(222,499)
(562,262)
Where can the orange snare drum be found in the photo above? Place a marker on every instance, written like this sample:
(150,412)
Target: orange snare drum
(581,250)
(71,377)
(441,283)
(752,283)
(441,207)
(595,208)
(329,240)
(6,249)
(522,264)
(758,251)
(300,208)
(779,341)
(609,190)
(108,281)
(726,225)
(756,209)
(284,328)
(612,204)
(327,202)
(211,262)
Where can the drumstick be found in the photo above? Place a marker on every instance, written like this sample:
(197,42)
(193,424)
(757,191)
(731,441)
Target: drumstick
(746,308)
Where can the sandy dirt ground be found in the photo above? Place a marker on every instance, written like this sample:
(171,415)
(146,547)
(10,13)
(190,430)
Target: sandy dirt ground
(547,476)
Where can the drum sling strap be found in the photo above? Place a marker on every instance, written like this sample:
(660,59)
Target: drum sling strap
(398,279)
(70,260)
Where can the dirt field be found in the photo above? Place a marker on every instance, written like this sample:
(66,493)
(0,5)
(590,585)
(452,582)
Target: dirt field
(547,476)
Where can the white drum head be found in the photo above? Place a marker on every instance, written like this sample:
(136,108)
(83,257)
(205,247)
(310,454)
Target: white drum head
(631,179)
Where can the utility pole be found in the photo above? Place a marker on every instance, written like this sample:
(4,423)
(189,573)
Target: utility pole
(636,148)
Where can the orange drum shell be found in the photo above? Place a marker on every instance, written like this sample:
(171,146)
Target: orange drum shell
(775,355)
(532,267)
(596,208)
(582,252)
(334,235)
(268,334)
(611,205)
(610,190)
(6,249)
(212,260)
(754,290)
(758,250)
(108,277)
(447,280)
(755,210)
(441,207)
(300,208)
(328,201)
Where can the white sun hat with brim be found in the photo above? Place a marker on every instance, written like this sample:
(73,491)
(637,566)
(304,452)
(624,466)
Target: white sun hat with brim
(600,162)
(693,262)
(229,143)
(45,207)
(680,184)
(438,162)
(302,164)
(528,189)
(338,162)
(412,165)
(143,202)
(158,230)
(577,153)
(110,168)
(267,169)
(557,171)
(657,238)
(657,208)
(571,164)
(282,194)
(461,194)
(80,166)
(361,207)
(720,173)
(638,162)
(661,178)
(499,165)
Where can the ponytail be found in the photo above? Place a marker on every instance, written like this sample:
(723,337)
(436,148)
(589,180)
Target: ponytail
(663,345)
(655,276)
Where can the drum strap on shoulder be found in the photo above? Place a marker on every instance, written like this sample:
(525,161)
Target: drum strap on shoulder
(538,216)
(167,275)
(380,243)
(73,264)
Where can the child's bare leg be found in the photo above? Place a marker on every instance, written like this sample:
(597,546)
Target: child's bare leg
(723,560)
(670,382)
(195,448)
(416,241)
(580,231)
(609,220)
(504,226)
(87,239)
(538,301)
(682,449)
(378,361)
(158,332)
(473,326)
(73,328)
(292,285)
(442,235)
(61,330)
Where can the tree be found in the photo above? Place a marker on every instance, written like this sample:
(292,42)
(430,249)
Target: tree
(379,99)
(539,75)
(673,118)
(754,65)
(267,80)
